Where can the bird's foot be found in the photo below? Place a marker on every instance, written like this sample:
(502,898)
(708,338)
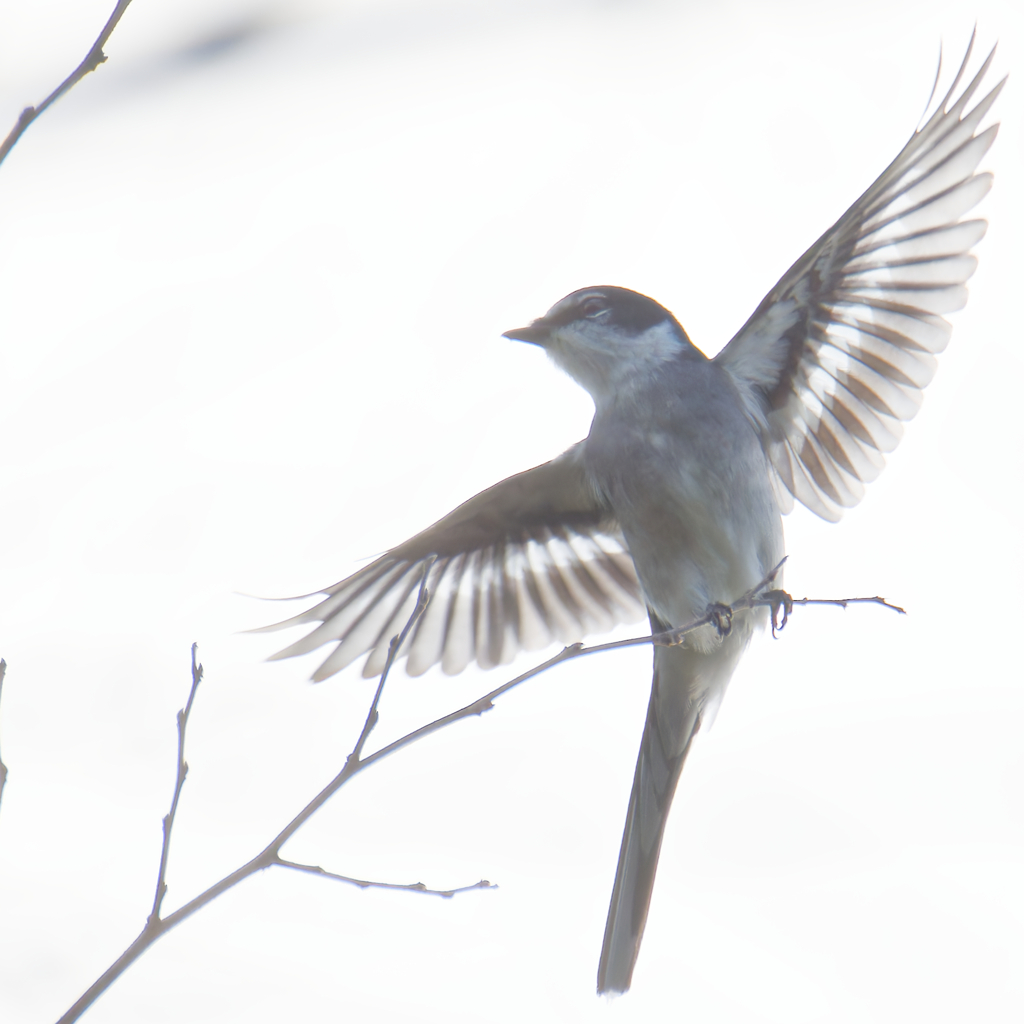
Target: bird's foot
(721,618)
(779,601)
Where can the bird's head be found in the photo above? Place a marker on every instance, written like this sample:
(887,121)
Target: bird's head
(604,336)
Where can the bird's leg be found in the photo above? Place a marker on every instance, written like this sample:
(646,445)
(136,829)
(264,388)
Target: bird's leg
(779,600)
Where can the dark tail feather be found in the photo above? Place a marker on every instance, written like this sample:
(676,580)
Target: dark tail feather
(672,722)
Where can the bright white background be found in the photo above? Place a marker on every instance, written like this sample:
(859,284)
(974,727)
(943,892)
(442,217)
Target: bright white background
(252,296)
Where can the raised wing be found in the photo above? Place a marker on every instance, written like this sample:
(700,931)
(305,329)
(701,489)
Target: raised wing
(533,559)
(836,355)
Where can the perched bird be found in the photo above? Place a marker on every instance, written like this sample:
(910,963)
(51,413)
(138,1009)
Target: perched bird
(673,501)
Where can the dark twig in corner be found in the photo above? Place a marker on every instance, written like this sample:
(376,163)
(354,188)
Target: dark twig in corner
(3,767)
(719,616)
(93,59)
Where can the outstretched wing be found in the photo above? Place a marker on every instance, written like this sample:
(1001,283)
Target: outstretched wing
(837,354)
(533,559)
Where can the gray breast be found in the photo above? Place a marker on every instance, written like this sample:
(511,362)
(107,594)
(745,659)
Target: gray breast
(684,472)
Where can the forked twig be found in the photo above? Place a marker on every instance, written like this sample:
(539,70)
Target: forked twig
(157,926)
(396,642)
(719,616)
(93,59)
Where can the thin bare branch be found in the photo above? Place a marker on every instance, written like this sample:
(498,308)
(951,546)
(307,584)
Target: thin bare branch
(758,596)
(3,767)
(315,869)
(842,602)
(93,59)
(268,857)
(393,648)
(168,822)
(720,616)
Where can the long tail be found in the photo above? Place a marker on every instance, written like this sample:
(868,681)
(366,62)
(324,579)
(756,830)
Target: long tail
(673,718)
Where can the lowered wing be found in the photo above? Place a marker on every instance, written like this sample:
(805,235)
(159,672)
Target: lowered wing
(533,559)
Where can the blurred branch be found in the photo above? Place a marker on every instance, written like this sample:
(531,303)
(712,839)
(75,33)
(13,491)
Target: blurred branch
(3,767)
(719,615)
(93,59)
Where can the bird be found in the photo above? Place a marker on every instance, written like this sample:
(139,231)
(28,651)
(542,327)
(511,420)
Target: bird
(672,505)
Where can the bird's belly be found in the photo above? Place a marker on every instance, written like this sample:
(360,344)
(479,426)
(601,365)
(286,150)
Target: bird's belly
(702,526)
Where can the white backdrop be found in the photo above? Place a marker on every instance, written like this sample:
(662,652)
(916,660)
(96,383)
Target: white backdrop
(254,276)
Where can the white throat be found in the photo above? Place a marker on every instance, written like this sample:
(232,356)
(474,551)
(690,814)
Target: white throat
(607,362)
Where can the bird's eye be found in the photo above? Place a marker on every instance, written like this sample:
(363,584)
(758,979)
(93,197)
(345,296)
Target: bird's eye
(594,307)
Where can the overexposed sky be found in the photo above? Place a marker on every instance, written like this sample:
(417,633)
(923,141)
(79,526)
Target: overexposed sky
(254,277)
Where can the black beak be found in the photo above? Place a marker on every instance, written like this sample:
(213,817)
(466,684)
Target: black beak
(537,333)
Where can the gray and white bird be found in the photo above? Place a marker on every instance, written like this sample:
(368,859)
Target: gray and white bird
(673,501)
